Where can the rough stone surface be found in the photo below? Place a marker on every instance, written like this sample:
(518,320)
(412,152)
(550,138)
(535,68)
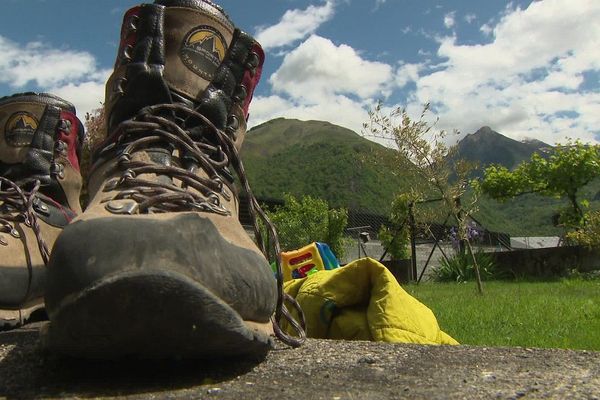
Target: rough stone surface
(319,370)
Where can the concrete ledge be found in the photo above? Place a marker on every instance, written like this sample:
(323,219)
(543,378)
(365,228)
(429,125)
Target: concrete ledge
(319,370)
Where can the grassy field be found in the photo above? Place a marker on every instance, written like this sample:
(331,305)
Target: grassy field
(563,314)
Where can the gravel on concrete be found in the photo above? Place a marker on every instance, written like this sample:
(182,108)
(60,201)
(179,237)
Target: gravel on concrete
(321,369)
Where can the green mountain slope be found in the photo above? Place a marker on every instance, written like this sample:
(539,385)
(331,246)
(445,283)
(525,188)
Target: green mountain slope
(322,160)
(336,164)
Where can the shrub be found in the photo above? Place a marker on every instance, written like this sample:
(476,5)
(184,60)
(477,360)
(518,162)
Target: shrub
(300,222)
(589,233)
(460,268)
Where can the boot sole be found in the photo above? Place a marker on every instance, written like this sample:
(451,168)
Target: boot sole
(151,314)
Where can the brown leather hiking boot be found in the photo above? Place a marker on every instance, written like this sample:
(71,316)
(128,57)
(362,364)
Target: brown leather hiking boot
(40,139)
(159,264)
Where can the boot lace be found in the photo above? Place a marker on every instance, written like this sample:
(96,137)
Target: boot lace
(16,205)
(213,151)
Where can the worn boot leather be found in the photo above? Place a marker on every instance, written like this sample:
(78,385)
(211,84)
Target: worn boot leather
(159,265)
(40,183)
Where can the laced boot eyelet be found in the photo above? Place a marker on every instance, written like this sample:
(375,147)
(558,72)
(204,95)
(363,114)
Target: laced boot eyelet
(58,170)
(119,86)
(132,24)
(129,208)
(111,185)
(127,175)
(65,126)
(232,124)
(252,62)
(124,158)
(61,147)
(219,182)
(214,199)
(240,94)
(126,53)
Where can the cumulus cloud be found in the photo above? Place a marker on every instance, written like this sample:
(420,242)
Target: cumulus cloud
(379,3)
(450,19)
(337,109)
(68,73)
(36,63)
(318,69)
(486,29)
(320,80)
(527,78)
(407,73)
(295,25)
(470,18)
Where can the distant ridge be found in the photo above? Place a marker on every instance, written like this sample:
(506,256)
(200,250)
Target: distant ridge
(487,146)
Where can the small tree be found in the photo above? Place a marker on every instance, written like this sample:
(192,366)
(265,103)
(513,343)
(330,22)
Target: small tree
(95,128)
(300,222)
(395,237)
(562,174)
(589,234)
(422,148)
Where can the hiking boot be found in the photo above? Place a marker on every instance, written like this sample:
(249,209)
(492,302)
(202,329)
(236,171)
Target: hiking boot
(40,182)
(159,265)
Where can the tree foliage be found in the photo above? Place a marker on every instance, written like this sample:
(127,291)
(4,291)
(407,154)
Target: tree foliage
(395,237)
(424,148)
(95,132)
(301,222)
(562,174)
(589,233)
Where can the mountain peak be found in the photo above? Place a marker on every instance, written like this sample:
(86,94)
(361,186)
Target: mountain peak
(484,130)
(487,146)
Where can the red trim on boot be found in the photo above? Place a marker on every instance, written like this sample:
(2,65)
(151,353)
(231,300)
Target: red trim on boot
(128,35)
(70,137)
(250,80)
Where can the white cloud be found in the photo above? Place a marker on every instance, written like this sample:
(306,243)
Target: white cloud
(379,3)
(319,80)
(407,73)
(318,69)
(86,96)
(67,73)
(295,25)
(450,19)
(527,78)
(41,65)
(337,109)
(470,18)
(525,82)
(486,29)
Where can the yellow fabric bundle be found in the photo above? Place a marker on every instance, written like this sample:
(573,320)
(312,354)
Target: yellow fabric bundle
(363,301)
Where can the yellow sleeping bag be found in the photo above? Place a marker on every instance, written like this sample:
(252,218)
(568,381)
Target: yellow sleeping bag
(363,301)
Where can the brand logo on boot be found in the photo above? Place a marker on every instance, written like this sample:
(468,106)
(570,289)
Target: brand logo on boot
(203,50)
(20,128)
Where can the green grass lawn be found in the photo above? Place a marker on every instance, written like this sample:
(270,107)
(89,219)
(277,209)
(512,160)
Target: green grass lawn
(563,314)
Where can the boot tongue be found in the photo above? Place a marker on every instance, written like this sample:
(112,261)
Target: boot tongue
(18,124)
(197,37)
(187,52)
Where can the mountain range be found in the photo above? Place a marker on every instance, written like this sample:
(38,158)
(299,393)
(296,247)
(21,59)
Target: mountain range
(327,161)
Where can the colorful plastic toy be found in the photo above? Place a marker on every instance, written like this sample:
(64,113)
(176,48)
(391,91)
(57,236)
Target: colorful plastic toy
(307,260)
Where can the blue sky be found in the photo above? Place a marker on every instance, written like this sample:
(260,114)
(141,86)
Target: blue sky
(528,69)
